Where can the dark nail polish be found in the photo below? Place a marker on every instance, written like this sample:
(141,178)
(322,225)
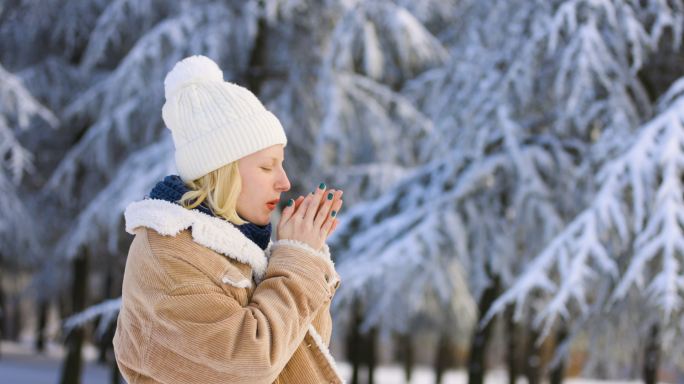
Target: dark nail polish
(322,186)
(330,196)
(290,202)
(333,213)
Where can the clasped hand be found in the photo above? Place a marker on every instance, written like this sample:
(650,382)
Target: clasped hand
(311,219)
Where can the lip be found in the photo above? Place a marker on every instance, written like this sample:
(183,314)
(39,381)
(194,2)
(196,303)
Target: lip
(272,204)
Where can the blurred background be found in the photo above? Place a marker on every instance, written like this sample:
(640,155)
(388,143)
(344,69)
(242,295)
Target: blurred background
(512,171)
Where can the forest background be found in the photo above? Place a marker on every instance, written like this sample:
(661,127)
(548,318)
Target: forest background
(512,169)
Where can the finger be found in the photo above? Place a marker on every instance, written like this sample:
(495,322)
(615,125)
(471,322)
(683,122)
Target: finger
(298,202)
(338,195)
(300,212)
(335,212)
(332,216)
(287,211)
(320,205)
(325,192)
(337,205)
(316,200)
(324,209)
(327,225)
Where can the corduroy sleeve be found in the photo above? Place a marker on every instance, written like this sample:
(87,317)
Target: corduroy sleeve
(201,334)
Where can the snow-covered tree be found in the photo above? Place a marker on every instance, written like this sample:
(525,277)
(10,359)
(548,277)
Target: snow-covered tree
(537,96)
(19,110)
(483,146)
(630,234)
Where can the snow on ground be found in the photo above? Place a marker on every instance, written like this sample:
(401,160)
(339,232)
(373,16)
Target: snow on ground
(425,375)
(18,365)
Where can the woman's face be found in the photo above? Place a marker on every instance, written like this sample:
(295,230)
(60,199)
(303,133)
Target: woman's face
(263,180)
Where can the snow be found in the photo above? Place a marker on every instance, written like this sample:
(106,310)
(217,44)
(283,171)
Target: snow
(18,365)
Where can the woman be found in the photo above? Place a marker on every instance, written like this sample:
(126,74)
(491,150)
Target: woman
(207,297)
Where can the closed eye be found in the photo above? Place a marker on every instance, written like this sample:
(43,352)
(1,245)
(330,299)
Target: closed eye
(266,168)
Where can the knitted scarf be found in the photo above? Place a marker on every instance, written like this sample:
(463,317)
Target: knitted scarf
(172,189)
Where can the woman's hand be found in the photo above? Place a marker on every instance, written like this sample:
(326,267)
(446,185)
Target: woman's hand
(336,205)
(311,219)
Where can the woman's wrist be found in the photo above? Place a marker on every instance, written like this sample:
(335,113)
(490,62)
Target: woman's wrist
(323,251)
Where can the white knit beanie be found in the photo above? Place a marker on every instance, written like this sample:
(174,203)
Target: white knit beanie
(213,122)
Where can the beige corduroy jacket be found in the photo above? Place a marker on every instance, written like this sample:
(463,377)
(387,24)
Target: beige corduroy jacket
(202,303)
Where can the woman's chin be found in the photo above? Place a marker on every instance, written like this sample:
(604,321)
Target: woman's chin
(263,220)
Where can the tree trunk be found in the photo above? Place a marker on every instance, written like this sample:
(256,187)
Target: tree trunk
(255,70)
(102,346)
(558,372)
(442,357)
(71,368)
(3,309)
(652,356)
(105,340)
(513,345)
(406,355)
(107,352)
(115,373)
(43,308)
(15,319)
(532,357)
(353,347)
(371,354)
(478,346)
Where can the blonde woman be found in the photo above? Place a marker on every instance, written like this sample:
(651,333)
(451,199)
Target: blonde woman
(207,297)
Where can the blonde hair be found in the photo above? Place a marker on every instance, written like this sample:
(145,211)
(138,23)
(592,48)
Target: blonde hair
(220,188)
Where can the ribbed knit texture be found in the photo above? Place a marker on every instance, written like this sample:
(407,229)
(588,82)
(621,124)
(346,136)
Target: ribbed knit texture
(213,122)
(181,323)
(172,188)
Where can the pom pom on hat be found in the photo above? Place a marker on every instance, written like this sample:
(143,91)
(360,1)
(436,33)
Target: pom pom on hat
(213,122)
(190,70)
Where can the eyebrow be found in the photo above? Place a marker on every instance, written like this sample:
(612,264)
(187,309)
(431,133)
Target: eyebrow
(273,159)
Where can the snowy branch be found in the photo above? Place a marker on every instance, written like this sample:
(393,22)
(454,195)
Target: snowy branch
(100,223)
(624,215)
(107,311)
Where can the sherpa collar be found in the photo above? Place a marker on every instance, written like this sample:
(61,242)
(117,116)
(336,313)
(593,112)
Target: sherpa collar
(172,189)
(219,235)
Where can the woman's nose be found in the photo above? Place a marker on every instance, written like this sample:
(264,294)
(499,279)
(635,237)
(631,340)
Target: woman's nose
(283,183)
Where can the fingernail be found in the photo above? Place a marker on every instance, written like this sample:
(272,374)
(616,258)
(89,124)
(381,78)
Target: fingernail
(290,202)
(333,213)
(330,196)
(322,186)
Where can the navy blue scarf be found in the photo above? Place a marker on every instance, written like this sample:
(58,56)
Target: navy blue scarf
(172,189)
